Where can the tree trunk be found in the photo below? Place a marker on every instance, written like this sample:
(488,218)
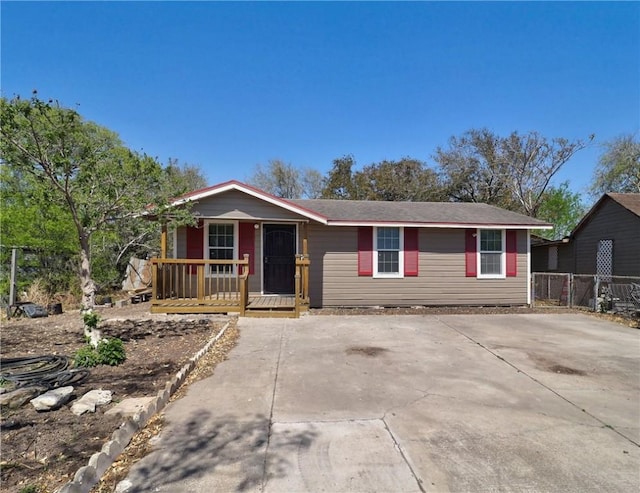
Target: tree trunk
(86,283)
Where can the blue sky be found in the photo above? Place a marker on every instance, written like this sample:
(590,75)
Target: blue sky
(229,85)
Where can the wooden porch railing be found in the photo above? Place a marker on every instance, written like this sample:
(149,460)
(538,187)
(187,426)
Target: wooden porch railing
(210,286)
(198,285)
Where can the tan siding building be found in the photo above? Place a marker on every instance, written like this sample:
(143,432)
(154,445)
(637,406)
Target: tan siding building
(345,253)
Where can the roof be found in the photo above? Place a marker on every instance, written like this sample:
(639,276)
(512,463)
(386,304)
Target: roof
(362,212)
(630,201)
(442,214)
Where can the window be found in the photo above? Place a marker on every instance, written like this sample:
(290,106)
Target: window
(221,245)
(491,250)
(388,247)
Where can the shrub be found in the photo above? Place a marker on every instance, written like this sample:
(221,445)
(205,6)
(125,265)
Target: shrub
(111,352)
(86,356)
(91,319)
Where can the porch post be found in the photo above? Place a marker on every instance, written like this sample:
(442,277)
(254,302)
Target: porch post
(305,249)
(297,291)
(163,241)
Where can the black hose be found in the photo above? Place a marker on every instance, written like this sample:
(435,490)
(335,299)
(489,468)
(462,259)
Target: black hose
(48,371)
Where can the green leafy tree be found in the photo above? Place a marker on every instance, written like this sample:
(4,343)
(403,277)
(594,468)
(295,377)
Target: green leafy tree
(561,207)
(404,180)
(407,179)
(112,248)
(45,236)
(618,169)
(81,168)
(340,182)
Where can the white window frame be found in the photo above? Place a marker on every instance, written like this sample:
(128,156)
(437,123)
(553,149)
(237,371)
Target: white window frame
(503,255)
(236,238)
(389,275)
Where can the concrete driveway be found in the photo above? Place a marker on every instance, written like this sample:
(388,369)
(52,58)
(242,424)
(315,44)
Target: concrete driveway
(533,402)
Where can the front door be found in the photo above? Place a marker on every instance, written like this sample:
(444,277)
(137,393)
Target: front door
(279,258)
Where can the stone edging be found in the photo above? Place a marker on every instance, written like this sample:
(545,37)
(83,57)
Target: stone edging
(88,476)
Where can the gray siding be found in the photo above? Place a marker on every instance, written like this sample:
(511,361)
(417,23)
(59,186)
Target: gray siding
(238,205)
(334,279)
(610,222)
(565,257)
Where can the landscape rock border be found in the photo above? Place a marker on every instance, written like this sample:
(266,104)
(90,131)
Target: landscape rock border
(88,476)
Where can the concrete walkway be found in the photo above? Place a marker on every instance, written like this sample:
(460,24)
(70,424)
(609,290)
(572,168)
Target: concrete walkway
(410,404)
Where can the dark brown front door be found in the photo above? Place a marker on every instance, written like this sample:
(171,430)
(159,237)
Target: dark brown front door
(279,258)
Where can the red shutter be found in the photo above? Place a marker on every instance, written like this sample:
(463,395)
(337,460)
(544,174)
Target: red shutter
(470,249)
(411,251)
(512,253)
(195,243)
(247,243)
(365,251)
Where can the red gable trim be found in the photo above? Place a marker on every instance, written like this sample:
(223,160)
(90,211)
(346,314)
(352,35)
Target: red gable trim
(365,251)
(470,250)
(512,253)
(254,192)
(411,251)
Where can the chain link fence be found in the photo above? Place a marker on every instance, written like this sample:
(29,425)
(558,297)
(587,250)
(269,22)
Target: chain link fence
(617,294)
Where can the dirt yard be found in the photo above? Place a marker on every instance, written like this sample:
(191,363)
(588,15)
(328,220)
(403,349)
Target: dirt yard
(43,450)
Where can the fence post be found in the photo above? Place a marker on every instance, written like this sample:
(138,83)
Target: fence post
(532,289)
(12,279)
(570,290)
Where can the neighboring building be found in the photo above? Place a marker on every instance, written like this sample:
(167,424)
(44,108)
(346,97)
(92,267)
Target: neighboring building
(349,253)
(606,241)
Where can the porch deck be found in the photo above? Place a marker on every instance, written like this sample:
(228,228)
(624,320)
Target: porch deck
(258,306)
(183,286)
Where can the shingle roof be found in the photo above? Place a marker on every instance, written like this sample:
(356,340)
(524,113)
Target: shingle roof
(630,201)
(361,211)
(354,212)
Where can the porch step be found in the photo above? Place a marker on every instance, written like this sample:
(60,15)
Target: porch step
(270,313)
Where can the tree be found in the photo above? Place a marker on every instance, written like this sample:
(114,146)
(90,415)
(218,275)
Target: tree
(340,183)
(472,169)
(404,180)
(80,167)
(534,161)
(45,235)
(183,178)
(286,181)
(618,169)
(561,207)
(513,172)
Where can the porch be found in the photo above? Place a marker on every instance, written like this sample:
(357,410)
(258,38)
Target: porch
(222,286)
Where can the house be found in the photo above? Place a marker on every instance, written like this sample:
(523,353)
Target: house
(253,253)
(605,242)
